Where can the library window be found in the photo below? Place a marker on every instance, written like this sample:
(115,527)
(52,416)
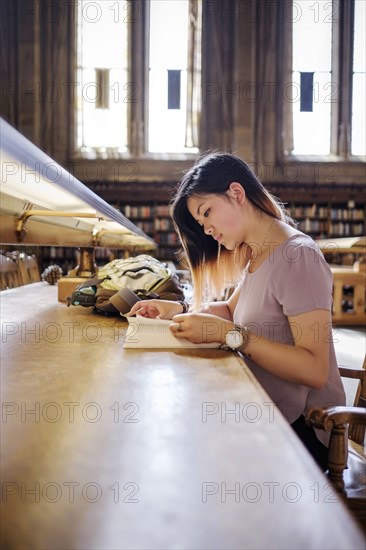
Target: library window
(328,78)
(138,75)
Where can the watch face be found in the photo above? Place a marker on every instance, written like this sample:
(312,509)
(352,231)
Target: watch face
(234,339)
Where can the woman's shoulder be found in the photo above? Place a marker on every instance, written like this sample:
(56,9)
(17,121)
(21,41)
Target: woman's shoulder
(299,239)
(284,234)
(300,252)
(301,278)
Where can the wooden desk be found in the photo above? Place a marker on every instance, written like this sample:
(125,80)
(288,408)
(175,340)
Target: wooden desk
(110,448)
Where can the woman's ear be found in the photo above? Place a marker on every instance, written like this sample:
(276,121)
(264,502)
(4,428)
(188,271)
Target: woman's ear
(236,192)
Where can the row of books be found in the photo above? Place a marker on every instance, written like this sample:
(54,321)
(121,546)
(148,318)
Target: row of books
(152,226)
(340,228)
(147,211)
(356,214)
(315,211)
(166,238)
(313,226)
(345,229)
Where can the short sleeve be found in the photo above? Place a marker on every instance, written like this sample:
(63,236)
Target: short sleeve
(304,281)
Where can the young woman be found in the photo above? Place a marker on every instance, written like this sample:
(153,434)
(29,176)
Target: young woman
(234,232)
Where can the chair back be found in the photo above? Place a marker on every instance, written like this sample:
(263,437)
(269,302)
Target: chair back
(346,456)
(9,273)
(356,432)
(28,268)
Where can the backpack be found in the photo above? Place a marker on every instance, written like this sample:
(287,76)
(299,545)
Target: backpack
(122,282)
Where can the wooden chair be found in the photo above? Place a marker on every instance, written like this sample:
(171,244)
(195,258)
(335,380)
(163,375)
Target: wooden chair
(9,273)
(28,268)
(346,457)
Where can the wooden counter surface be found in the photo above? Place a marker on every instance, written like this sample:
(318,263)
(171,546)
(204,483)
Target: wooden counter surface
(106,448)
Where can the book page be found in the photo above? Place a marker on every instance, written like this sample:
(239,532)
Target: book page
(143,332)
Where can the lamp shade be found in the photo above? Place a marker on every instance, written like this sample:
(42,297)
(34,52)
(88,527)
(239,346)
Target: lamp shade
(43,204)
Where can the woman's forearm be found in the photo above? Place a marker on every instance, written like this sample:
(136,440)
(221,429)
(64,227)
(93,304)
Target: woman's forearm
(293,363)
(305,362)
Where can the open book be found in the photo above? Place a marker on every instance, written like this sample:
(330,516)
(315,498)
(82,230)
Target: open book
(143,332)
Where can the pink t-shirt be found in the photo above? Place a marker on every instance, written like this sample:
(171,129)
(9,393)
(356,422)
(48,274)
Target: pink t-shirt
(294,279)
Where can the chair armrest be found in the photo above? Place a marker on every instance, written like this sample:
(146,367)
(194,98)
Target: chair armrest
(348,372)
(335,420)
(327,419)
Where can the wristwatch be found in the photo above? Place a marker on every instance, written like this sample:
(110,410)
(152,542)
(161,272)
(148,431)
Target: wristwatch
(237,338)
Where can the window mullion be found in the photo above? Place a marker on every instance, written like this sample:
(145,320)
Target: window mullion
(336,80)
(284,130)
(343,59)
(138,77)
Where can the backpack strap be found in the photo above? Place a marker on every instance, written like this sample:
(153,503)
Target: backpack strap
(92,282)
(123,300)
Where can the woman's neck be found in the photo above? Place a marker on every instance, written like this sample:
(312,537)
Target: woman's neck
(266,229)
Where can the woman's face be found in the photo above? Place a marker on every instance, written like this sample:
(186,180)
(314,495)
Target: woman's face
(220,217)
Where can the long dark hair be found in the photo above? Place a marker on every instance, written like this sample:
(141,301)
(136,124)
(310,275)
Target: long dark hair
(214,269)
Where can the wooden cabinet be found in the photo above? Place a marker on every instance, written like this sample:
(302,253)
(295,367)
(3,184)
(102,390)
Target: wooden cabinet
(348,296)
(347,258)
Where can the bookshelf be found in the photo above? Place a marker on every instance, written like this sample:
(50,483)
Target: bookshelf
(312,219)
(327,220)
(327,210)
(156,221)
(347,221)
(322,211)
(323,220)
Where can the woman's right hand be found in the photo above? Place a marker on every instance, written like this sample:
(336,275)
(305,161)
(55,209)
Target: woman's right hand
(155,309)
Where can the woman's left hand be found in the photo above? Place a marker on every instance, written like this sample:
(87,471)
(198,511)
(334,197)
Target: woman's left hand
(200,327)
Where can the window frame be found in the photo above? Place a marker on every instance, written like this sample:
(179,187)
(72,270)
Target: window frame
(339,166)
(137,163)
(254,130)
